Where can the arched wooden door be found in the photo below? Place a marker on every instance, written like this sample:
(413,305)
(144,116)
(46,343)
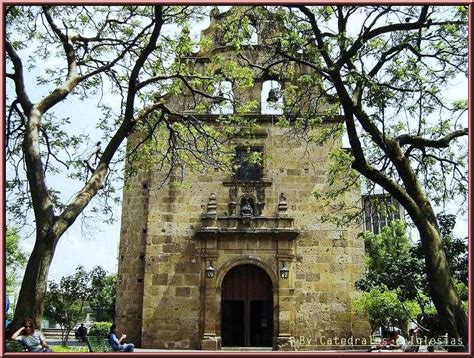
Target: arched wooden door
(247,308)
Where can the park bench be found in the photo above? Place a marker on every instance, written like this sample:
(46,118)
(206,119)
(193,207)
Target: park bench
(15,346)
(98,344)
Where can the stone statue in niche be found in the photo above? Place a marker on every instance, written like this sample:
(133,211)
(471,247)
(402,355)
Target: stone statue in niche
(282,198)
(246,207)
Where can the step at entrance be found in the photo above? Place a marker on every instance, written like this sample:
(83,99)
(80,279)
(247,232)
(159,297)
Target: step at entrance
(247,349)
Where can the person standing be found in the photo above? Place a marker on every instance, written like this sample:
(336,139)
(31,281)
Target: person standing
(81,333)
(31,338)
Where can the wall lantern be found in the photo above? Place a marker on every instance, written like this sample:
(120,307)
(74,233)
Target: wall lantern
(284,272)
(210,271)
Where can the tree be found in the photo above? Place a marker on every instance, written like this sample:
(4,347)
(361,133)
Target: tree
(65,300)
(456,249)
(384,308)
(390,263)
(385,69)
(104,300)
(89,52)
(396,273)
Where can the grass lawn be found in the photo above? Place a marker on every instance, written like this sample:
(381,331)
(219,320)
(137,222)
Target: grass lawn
(69,349)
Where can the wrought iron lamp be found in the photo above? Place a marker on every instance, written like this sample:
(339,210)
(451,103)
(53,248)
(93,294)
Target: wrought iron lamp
(210,271)
(284,272)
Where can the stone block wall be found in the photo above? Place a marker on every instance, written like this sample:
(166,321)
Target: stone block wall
(173,273)
(328,260)
(315,303)
(131,260)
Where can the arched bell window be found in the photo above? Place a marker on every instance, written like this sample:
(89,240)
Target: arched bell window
(223,101)
(271,98)
(253,39)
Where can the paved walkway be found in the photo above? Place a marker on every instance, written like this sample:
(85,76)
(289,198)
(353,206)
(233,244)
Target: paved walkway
(225,350)
(74,342)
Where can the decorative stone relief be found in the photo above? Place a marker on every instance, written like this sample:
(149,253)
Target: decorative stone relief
(282,205)
(260,200)
(233,191)
(212,205)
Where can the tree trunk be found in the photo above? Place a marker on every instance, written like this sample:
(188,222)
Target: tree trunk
(33,288)
(442,292)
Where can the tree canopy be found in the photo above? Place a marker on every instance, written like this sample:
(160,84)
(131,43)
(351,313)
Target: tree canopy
(390,262)
(395,287)
(387,70)
(65,301)
(126,54)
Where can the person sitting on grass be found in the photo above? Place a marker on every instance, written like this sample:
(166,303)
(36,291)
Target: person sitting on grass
(383,344)
(32,339)
(412,344)
(116,343)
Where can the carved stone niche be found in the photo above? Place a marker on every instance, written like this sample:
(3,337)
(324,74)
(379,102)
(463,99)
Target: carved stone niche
(245,218)
(246,199)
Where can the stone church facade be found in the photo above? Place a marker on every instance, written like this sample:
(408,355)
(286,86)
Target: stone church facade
(239,260)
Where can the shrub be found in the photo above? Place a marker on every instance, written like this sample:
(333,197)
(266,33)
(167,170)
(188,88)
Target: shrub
(99,329)
(384,308)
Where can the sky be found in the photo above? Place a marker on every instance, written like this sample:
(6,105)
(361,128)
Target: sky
(99,244)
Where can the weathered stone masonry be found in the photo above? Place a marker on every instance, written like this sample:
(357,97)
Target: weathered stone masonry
(171,235)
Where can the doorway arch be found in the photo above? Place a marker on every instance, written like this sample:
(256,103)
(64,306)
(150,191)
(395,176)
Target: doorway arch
(247,307)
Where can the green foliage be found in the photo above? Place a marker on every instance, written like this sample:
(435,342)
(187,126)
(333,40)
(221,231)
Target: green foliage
(389,262)
(64,303)
(384,308)
(101,329)
(236,30)
(103,301)
(395,266)
(14,346)
(392,241)
(15,258)
(462,290)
